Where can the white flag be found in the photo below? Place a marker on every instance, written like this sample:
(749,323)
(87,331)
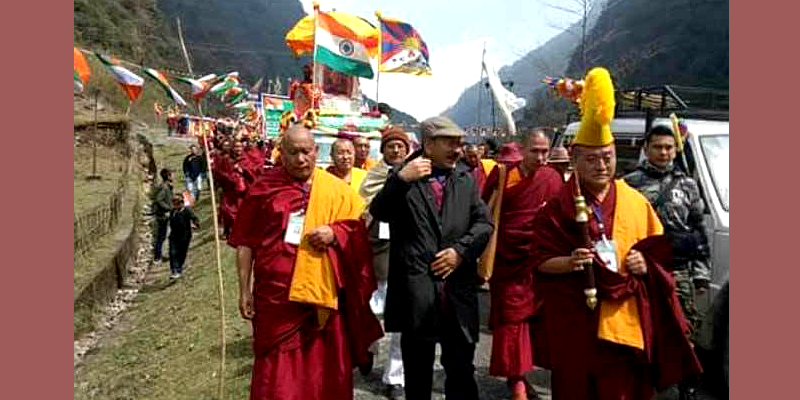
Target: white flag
(507,101)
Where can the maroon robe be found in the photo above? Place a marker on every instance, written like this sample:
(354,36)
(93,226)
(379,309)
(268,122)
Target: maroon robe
(479,175)
(253,164)
(233,186)
(585,367)
(513,302)
(294,358)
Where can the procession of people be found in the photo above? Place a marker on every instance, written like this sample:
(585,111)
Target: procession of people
(333,261)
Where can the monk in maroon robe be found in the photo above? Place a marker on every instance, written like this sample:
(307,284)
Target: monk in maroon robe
(296,357)
(514,306)
(229,176)
(591,354)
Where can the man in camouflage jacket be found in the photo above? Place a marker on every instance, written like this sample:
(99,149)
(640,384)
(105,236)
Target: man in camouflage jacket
(676,198)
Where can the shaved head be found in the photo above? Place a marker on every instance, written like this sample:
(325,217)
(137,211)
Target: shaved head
(343,156)
(529,137)
(341,142)
(299,152)
(296,132)
(535,150)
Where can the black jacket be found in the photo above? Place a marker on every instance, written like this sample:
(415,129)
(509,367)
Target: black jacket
(417,233)
(194,165)
(180,225)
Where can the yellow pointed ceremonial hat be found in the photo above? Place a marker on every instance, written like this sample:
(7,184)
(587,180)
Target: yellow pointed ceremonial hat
(597,110)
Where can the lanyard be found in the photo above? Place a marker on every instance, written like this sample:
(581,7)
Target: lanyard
(599,215)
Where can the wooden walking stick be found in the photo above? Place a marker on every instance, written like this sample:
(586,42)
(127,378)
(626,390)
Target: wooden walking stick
(486,264)
(582,218)
(221,383)
(219,265)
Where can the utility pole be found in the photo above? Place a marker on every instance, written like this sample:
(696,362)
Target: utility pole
(94,175)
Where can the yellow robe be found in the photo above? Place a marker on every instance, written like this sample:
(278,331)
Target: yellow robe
(634,220)
(313,282)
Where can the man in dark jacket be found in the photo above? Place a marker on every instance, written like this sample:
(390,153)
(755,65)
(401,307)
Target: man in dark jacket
(194,165)
(162,204)
(181,222)
(438,228)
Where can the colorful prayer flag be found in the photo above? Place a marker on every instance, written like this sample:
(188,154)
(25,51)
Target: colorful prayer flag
(164,82)
(402,49)
(130,82)
(340,48)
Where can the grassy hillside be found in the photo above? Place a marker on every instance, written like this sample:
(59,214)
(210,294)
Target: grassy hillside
(167,344)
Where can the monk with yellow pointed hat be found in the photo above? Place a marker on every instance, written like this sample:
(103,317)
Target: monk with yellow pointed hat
(633,341)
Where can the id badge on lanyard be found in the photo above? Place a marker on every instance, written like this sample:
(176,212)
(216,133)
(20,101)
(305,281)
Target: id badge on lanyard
(294,230)
(606,249)
(383,230)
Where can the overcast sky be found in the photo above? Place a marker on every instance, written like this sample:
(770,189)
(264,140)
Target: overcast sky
(455,32)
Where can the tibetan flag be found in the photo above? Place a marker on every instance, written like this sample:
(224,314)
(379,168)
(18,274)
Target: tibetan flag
(199,86)
(82,72)
(162,80)
(341,48)
(226,82)
(130,82)
(402,49)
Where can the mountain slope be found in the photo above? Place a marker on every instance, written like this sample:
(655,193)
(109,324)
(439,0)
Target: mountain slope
(645,43)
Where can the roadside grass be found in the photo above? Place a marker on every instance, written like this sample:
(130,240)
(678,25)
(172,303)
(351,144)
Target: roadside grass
(166,345)
(91,193)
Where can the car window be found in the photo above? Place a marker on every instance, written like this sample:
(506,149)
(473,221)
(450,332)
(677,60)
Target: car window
(716,152)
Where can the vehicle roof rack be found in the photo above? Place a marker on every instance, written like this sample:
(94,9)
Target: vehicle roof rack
(659,101)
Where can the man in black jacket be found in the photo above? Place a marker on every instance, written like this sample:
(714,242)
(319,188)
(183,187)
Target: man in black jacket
(194,165)
(181,222)
(438,227)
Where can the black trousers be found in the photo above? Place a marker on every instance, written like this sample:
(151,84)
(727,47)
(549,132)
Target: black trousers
(177,254)
(457,360)
(159,237)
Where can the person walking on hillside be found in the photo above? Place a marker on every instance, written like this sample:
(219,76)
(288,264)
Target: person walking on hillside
(194,165)
(162,204)
(181,222)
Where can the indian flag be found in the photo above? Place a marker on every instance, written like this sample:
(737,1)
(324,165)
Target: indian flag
(228,81)
(340,48)
(82,72)
(199,86)
(162,80)
(130,82)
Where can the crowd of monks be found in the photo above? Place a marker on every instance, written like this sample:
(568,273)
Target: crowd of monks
(307,274)
(306,271)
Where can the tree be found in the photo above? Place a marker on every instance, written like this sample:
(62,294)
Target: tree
(582,9)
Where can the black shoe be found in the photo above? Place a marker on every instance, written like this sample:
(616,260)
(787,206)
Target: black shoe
(395,392)
(366,368)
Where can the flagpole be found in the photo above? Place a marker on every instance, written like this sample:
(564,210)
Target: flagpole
(220,286)
(314,62)
(380,58)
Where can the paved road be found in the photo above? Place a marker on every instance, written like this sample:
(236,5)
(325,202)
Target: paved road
(370,388)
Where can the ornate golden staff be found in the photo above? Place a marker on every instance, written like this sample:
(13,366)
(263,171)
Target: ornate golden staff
(582,218)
